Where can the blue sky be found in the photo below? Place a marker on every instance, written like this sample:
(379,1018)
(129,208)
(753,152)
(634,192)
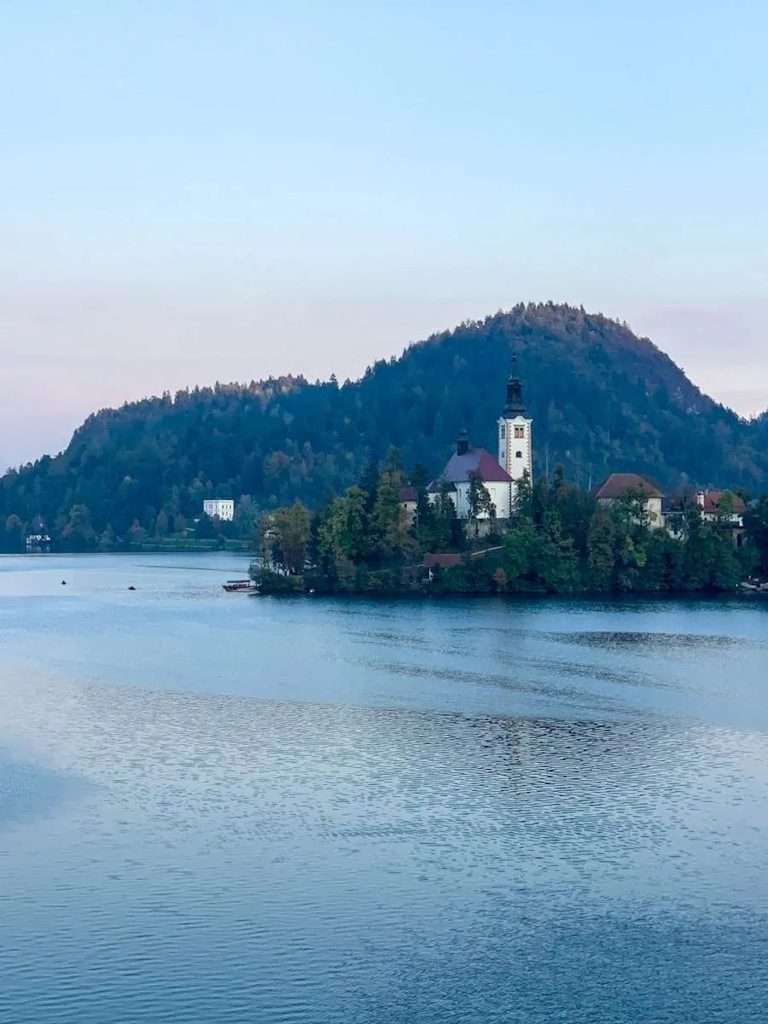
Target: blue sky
(194,191)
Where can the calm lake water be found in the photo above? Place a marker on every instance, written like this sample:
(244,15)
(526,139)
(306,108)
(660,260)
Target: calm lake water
(216,809)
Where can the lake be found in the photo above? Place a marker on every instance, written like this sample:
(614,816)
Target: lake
(215,808)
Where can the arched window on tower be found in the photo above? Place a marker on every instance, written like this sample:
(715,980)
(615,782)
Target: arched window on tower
(518,455)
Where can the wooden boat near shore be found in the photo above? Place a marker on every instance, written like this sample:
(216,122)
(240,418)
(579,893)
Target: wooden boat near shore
(240,586)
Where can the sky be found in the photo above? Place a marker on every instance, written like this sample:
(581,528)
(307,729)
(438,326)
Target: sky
(192,192)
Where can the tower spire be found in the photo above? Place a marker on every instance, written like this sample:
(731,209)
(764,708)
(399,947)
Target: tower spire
(515,432)
(514,405)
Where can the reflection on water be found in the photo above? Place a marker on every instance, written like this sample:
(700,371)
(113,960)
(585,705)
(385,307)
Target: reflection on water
(220,809)
(649,642)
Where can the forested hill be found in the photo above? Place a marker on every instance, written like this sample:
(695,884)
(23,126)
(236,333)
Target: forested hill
(602,400)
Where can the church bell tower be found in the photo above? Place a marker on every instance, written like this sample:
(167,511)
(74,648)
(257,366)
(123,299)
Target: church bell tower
(515,432)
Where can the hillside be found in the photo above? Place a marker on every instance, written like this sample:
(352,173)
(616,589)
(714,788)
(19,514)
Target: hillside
(602,399)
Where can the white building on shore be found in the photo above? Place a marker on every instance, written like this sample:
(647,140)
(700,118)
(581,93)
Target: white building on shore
(219,508)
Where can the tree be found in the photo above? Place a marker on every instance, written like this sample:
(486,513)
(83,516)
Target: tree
(107,539)
(78,534)
(292,528)
(137,534)
(205,528)
(600,556)
(556,563)
(726,508)
(480,504)
(711,561)
(663,565)
(522,505)
(389,528)
(162,523)
(13,540)
(756,522)
(344,532)
(539,558)
(519,555)
(438,528)
(247,520)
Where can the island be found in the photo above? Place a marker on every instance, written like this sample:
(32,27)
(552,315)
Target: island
(485,526)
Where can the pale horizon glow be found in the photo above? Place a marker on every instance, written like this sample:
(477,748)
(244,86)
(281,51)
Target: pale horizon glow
(194,194)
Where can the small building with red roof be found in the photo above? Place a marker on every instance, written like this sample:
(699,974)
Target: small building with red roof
(621,486)
(721,507)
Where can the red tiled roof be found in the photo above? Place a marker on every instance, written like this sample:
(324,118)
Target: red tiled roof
(712,501)
(441,560)
(477,462)
(618,485)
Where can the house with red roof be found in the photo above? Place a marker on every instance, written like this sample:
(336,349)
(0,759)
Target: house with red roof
(621,486)
(726,510)
(722,507)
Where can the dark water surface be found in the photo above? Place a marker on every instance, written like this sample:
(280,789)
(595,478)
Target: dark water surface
(221,809)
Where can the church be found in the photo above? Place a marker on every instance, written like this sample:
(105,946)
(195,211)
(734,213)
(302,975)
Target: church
(499,476)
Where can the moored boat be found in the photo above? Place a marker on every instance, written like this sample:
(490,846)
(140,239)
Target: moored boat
(239,586)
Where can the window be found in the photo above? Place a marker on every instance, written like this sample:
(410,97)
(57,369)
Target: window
(519,431)
(503,431)
(518,455)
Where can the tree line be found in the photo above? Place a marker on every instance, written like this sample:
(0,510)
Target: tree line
(599,396)
(560,540)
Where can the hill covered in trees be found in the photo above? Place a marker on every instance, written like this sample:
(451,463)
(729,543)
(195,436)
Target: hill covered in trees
(602,400)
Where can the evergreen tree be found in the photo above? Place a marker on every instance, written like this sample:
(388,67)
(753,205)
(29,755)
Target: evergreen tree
(13,538)
(389,527)
(522,505)
(600,556)
(292,529)
(519,555)
(757,531)
(345,532)
(78,533)
(556,562)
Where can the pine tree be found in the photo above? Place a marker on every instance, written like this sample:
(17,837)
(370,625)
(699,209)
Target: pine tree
(600,556)
(292,528)
(522,505)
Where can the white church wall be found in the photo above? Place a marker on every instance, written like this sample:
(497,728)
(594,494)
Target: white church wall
(501,496)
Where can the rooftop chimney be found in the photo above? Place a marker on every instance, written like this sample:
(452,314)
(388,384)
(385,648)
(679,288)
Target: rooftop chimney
(462,443)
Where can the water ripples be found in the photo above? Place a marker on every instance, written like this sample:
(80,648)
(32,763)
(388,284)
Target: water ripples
(384,814)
